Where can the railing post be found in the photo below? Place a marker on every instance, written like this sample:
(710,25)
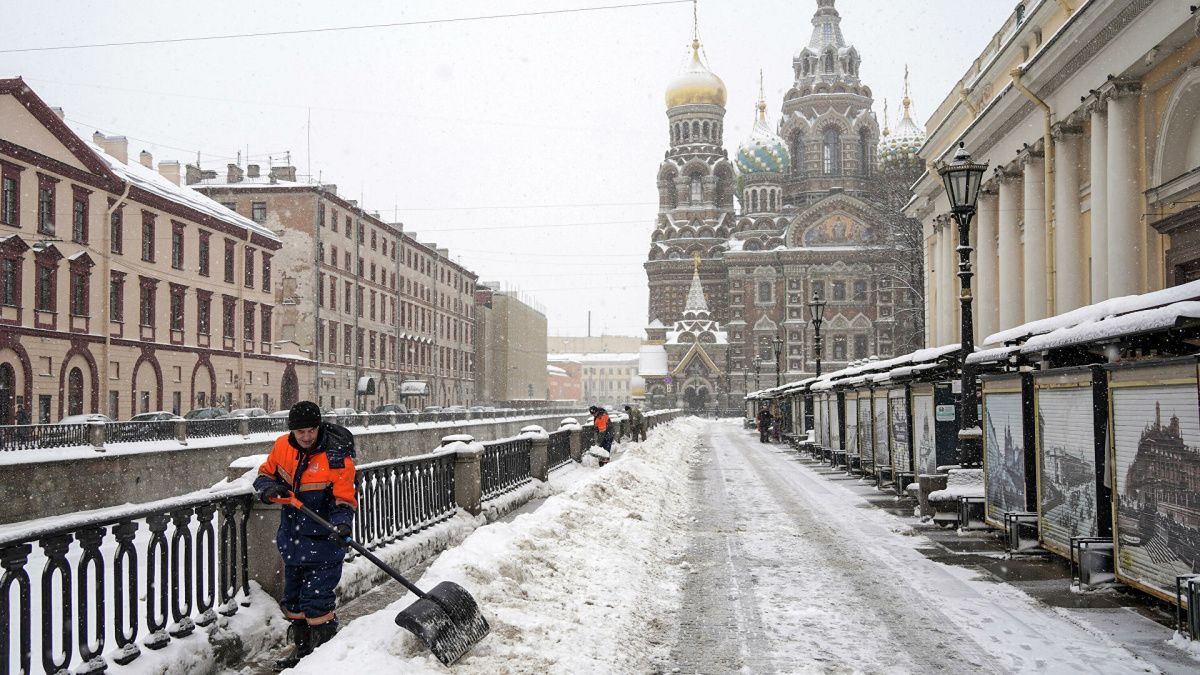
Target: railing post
(264,563)
(539,452)
(244,426)
(577,444)
(468,478)
(181,431)
(96,434)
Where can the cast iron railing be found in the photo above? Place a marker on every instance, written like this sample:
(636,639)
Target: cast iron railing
(169,565)
(208,428)
(399,497)
(258,425)
(27,436)
(504,466)
(587,437)
(559,448)
(134,432)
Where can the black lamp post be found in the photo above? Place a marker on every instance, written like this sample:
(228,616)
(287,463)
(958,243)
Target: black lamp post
(961,178)
(777,343)
(816,310)
(757,367)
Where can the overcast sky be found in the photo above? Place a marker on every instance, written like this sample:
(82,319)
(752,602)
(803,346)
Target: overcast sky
(527,146)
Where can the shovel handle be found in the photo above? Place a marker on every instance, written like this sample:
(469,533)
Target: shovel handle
(293,501)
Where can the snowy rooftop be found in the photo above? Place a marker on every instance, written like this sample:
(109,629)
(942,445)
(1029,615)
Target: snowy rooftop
(596,357)
(652,360)
(1113,327)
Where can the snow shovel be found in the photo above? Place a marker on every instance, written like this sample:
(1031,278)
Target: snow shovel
(446,619)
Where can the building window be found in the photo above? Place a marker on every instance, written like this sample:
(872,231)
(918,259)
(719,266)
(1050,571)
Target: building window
(697,192)
(202,253)
(266,272)
(227,319)
(147,236)
(265,331)
(349,292)
(831,153)
(860,347)
(46,190)
(229,246)
(860,290)
(347,339)
(46,291)
(249,267)
(321,217)
(333,338)
(79,214)
(79,291)
(248,321)
(116,231)
(333,294)
(839,290)
(232,206)
(203,311)
(147,302)
(764,291)
(818,288)
(10,194)
(177,245)
(177,291)
(839,347)
(258,211)
(116,296)
(10,275)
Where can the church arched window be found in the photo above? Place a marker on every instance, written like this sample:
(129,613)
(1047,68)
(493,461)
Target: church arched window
(797,153)
(772,209)
(829,60)
(697,194)
(864,154)
(754,201)
(696,130)
(831,153)
(705,128)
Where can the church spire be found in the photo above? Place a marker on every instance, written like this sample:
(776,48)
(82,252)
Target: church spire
(695,297)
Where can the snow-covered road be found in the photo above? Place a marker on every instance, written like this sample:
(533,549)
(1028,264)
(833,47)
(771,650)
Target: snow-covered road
(702,550)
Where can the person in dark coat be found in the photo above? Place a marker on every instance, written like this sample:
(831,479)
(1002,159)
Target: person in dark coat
(22,414)
(764,424)
(314,462)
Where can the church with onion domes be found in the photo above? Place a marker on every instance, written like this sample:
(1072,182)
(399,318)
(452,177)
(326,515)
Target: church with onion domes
(808,206)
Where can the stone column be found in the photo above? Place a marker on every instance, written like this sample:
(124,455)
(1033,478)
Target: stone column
(1125,230)
(1098,147)
(1069,266)
(539,452)
(1011,296)
(265,565)
(1034,169)
(930,259)
(577,444)
(468,480)
(945,281)
(181,431)
(97,434)
(986,284)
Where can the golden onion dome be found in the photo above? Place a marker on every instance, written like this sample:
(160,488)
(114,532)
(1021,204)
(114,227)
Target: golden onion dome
(696,85)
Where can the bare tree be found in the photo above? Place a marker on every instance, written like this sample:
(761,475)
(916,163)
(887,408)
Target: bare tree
(903,270)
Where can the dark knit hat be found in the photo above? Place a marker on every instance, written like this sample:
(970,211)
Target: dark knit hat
(304,415)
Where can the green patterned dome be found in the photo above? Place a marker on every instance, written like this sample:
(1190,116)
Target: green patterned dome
(900,148)
(764,151)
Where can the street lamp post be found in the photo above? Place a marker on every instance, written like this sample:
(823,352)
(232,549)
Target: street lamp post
(777,343)
(757,366)
(816,310)
(961,178)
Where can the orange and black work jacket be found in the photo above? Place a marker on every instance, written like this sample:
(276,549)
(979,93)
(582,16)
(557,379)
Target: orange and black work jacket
(323,478)
(602,423)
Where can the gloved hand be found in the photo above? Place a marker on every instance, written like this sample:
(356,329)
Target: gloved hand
(341,534)
(274,491)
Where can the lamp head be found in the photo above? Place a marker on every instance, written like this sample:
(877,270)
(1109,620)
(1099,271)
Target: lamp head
(961,178)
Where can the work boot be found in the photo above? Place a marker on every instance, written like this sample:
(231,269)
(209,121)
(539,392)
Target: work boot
(300,634)
(323,633)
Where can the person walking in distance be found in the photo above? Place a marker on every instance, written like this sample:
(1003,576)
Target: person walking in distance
(314,461)
(764,424)
(637,423)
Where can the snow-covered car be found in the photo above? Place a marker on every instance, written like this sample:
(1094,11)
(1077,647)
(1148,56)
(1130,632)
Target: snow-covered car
(156,416)
(206,414)
(389,408)
(280,413)
(247,412)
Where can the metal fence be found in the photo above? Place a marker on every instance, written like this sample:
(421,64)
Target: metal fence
(400,497)
(504,467)
(209,428)
(258,425)
(134,432)
(28,436)
(169,567)
(587,437)
(559,448)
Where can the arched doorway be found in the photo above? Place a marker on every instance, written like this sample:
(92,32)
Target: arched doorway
(289,390)
(695,398)
(8,392)
(75,392)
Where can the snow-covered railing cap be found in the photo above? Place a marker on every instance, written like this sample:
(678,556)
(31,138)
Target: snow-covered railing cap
(568,421)
(534,431)
(457,438)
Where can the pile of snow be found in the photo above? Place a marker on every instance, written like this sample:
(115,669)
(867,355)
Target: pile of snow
(960,483)
(548,583)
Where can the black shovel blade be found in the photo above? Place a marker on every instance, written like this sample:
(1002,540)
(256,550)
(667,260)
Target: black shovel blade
(447,620)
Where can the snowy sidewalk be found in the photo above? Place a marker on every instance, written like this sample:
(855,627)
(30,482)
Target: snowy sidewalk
(702,550)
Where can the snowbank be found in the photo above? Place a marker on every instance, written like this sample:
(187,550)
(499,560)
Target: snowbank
(557,597)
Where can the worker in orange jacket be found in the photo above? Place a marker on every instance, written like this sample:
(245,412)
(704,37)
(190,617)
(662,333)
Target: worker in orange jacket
(314,462)
(604,430)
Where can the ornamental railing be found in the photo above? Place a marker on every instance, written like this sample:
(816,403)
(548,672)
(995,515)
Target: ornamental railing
(558,449)
(208,428)
(587,437)
(167,566)
(29,436)
(504,466)
(135,432)
(400,497)
(258,425)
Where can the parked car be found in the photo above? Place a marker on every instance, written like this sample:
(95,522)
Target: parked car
(280,413)
(431,408)
(455,409)
(342,416)
(247,412)
(389,408)
(62,436)
(206,414)
(85,418)
(156,416)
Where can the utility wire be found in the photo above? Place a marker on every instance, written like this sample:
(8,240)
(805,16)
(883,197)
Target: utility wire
(334,29)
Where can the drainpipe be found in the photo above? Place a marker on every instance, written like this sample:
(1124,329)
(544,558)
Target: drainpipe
(1048,142)
(105,275)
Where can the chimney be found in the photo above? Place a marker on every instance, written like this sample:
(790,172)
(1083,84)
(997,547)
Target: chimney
(114,146)
(193,174)
(287,173)
(59,111)
(169,170)
(252,171)
(234,175)
(146,159)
